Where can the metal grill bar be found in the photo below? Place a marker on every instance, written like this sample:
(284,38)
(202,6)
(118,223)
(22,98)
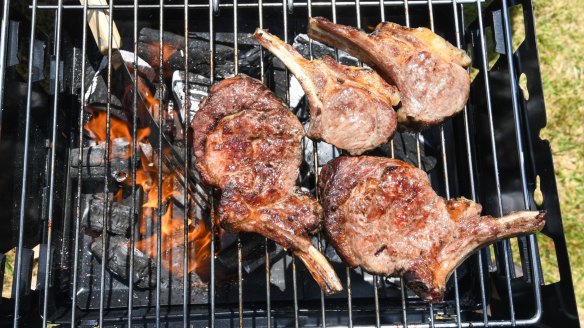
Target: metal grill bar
(133,169)
(3,51)
(521,153)
(268,288)
(266,4)
(159,173)
(404,304)
(496,165)
(403,292)
(376,299)
(468,147)
(266,240)
(211,194)
(79,177)
(18,269)
(445,169)
(52,163)
(187,157)
(105,242)
(287,101)
(348,270)
(315,169)
(240,284)
(375,277)
(446,182)
(239,246)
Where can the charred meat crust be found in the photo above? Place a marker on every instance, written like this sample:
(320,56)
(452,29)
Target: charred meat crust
(230,97)
(382,214)
(247,143)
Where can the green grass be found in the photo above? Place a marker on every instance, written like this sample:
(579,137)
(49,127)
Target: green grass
(561,51)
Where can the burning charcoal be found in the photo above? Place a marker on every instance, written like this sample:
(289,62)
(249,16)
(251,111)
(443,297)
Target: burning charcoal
(144,69)
(120,93)
(92,162)
(326,152)
(243,39)
(198,86)
(120,159)
(118,216)
(253,251)
(331,254)
(301,43)
(118,261)
(174,47)
(98,95)
(249,61)
(405,148)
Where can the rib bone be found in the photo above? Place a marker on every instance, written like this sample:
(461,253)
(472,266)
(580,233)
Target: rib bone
(350,107)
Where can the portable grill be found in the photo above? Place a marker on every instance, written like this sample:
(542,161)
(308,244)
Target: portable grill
(78,203)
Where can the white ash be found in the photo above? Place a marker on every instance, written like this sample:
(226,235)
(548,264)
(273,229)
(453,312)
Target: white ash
(197,91)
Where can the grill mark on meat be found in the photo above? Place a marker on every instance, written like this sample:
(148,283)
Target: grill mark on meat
(372,201)
(247,143)
(384,247)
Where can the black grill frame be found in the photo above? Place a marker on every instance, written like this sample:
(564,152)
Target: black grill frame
(509,174)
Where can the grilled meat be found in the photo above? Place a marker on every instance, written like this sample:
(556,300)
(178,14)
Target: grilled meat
(247,143)
(427,70)
(382,214)
(350,107)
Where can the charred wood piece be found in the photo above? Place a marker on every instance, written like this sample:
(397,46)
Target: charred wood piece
(174,48)
(253,251)
(119,219)
(118,261)
(92,164)
(302,45)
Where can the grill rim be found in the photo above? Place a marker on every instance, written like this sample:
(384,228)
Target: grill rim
(511,59)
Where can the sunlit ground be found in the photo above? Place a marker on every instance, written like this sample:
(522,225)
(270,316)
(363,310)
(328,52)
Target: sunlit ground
(561,52)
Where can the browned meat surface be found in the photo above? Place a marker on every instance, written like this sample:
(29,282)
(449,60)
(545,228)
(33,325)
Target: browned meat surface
(427,70)
(247,143)
(350,107)
(382,214)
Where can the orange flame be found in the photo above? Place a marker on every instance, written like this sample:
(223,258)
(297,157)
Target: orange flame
(172,224)
(119,195)
(172,228)
(167,191)
(118,129)
(199,245)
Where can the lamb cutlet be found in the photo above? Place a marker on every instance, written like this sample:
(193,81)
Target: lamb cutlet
(428,71)
(247,143)
(350,107)
(382,214)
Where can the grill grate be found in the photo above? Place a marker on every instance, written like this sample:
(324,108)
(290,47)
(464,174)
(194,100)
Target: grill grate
(470,163)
